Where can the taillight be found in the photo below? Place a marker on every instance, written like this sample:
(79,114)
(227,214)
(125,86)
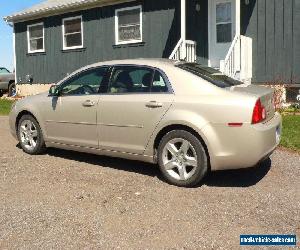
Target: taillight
(259,112)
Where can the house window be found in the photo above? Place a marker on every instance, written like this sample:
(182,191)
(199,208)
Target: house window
(72,33)
(128,25)
(35,35)
(224,22)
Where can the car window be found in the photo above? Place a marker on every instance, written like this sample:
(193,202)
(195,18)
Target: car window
(210,74)
(130,79)
(85,83)
(159,84)
(4,71)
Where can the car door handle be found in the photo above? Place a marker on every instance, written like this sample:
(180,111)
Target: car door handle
(88,103)
(154,104)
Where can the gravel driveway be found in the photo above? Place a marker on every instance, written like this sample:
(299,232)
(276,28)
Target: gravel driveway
(71,200)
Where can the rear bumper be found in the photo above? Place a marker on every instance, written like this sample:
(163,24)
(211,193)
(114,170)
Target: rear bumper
(243,147)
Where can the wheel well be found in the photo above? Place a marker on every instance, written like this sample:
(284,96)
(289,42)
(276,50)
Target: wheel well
(25,112)
(169,128)
(11,82)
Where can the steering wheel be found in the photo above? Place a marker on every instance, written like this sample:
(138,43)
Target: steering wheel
(86,89)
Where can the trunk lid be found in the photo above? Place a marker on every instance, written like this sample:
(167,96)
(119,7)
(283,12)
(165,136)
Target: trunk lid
(263,93)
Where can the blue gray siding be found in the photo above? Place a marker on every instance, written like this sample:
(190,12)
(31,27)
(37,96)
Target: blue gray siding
(274,27)
(197,28)
(161,20)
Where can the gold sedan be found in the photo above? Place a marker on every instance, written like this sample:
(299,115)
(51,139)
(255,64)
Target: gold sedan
(186,117)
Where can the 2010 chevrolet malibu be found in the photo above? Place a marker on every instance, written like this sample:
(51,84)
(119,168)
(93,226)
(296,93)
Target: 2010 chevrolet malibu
(186,117)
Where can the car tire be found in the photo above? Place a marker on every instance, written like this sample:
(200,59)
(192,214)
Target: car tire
(182,159)
(30,135)
(12,89)
(1,92)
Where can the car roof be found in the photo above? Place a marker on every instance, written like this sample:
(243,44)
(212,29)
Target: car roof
(152,62)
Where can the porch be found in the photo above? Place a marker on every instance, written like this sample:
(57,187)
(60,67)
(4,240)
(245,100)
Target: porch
(211,35)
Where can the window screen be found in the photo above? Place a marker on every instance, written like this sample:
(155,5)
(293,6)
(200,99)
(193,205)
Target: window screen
(129,25)
(72,33)
(36,38)
(224,22)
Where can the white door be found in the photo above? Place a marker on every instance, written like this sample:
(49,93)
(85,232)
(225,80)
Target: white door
(222,29)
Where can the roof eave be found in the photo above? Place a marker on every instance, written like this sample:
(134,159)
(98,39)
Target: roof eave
(57,10)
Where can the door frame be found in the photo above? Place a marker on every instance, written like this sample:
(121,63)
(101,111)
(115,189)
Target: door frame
(211,29)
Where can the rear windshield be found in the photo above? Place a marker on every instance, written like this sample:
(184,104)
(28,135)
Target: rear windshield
(210,74)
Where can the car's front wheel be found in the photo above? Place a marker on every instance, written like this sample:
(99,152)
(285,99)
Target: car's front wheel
(182,158)
(30,135)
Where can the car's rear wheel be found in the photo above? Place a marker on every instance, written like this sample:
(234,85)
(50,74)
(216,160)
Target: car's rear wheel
(30,135)
(182,158)
(12,90)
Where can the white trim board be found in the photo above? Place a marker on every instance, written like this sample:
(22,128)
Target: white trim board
(15,55)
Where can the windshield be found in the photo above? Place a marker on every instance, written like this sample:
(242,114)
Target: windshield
(4,71)
(210,74)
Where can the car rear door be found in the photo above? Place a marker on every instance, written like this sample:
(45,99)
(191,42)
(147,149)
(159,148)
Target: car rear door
(136,99)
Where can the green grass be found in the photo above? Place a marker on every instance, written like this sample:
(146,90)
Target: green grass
(5,106)
(291,132)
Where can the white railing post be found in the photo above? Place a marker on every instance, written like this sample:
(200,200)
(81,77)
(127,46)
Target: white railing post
(238,61)
(246,55)
(185,50)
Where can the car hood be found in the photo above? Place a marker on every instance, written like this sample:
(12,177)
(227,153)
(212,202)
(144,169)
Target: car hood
(34,99)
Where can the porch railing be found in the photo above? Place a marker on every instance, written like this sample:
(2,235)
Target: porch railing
(231,64)
(185,50)
(238,61)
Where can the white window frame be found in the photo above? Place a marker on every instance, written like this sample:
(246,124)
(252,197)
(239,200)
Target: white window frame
(28,38)
(63,33)
(117,25)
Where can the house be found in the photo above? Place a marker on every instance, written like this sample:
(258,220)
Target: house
(250,40)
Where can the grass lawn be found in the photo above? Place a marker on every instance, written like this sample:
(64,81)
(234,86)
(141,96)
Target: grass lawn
(291,132)
(5,106)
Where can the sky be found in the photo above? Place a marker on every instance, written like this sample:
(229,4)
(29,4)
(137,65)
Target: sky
(6,32)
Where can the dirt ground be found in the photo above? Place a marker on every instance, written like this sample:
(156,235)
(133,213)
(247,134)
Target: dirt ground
(67,200)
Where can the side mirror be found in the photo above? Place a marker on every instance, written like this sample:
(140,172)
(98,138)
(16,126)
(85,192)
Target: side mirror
(54,90)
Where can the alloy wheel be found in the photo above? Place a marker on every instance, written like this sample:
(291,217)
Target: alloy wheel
(28,134)
(180,159)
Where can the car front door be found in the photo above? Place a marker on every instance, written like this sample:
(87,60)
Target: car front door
(71,118)
(137,98)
